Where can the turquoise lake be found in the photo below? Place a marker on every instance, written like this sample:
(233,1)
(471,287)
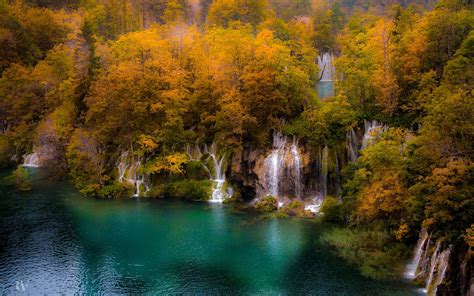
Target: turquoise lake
(53,241)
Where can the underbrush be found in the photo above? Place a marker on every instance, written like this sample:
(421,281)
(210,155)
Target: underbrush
(372,251)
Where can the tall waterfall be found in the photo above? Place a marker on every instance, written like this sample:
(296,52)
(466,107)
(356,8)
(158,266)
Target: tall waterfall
(283,165)
(413,266)
(326,67)
(129,172)
(215,167)
(296,166)
(31,160)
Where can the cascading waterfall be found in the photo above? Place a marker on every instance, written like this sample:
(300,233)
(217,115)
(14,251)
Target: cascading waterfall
(372,130)
(413,266)
(442,267)
(284,162)
(218,193)
(430,266)
(274,164)
(297,166)
(216,171)
(326,67)
(433,265)
(31,160)
(321,181)
(129,172)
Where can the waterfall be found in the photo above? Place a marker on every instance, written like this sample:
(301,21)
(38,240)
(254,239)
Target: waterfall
(433,265)
(297,166)
(31,160)
(351,145)
(129,172)
(321,181)
(413,266)
(218,178)
(283,166)
(274,164)
(326,67)
(215,167)
(442,267)
(372,130)
(323,190)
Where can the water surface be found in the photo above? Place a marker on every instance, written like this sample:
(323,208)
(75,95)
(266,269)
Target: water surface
(56,242)
(325,89)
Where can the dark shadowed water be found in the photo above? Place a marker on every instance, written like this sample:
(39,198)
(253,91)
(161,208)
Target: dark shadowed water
(53,241)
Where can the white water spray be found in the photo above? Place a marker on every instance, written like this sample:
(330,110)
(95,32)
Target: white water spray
(283,165)
(433,265)
(326,67)
(129,172)
(31,160)
(215,167)
(413,266)
(372,130)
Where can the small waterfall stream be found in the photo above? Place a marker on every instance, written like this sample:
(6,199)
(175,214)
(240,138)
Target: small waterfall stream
(129,172)
(215,167)
(352,145)
(321,180)
(433,264)
(31,160)
(372,130)
(442,267)
(420,247)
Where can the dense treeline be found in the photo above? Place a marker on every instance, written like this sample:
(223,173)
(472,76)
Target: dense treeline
(101,77)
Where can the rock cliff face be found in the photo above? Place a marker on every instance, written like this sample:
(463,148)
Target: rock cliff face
(244,171)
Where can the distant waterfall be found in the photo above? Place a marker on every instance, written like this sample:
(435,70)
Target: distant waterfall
(372,130)
(31,160)
(283,165)
(215,167)
(326,67)
(129,172)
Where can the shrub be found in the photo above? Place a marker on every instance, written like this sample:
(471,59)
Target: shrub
(267,204)
(294,208)
(332,210)
(20,178)
(115,190)
(185,189)
(373,251)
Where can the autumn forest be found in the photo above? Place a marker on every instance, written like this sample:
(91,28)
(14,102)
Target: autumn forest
(221,101)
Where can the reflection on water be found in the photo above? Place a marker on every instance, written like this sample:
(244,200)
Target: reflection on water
(53,241)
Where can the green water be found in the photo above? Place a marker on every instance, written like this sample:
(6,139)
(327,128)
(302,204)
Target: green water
(56,242)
